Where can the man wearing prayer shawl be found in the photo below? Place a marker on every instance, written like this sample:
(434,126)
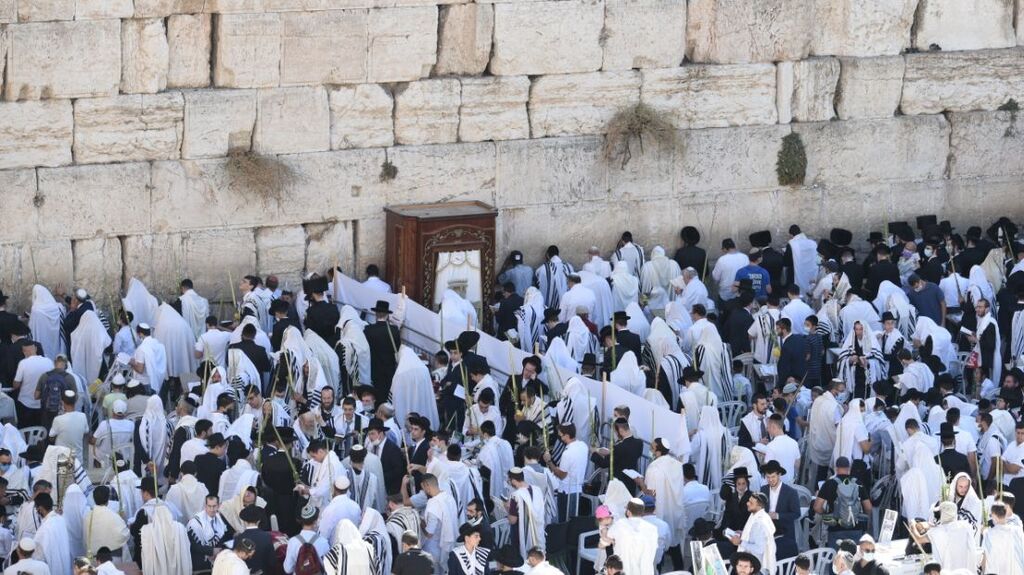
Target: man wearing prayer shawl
(762,331)
(800,259)
(670,360)
(88,342)
(353,349)
(256,302)
(664,480)
(629,253)
(891,342)
(709,357)
(574,408)
(233,561)
(526,513)
(694,396)
(551,277)
(758,536)
(193,307)
(985,339)
(577,296)
(103,526)
(52,541)
(860,360)
(45,319)
(953,542)
(150,360)
(858,310)
(412,390)
(349,554)
(440,519)
(636,540)
(152,437)
(710,447)
(325,468)
(823,424)
(188,494)
(367,488)
(496,455)
(1003,544)
(530,319)
(658,273)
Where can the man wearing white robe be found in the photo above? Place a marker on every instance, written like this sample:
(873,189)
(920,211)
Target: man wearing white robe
(178,339)
(551,278)
(577,296)
(88,342)
(1003,545)
(758,536)
(412,390)
(103,527)
(664,480)
(762,332)
(824,423)
(859,310)
(659,273)
(636,540)
(440,522)
(526,513)
(954,545)
(150,359)
(596,264)
(194,308)
(327,468)
(365,485)
(625,287)
(726,266)
(232,561)
(803,251)
(52,541)
(350,554)
(630,253)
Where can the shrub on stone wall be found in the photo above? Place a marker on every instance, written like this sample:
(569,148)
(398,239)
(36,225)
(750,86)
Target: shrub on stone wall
(628,129)
(792,163)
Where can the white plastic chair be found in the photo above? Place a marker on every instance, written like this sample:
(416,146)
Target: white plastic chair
(34,434)
(785,567)
(821,560)
(584,553)
(677,573)
(731,412)
(498,513)
(123,445)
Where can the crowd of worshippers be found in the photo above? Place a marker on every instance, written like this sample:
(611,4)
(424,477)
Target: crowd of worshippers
(304,435)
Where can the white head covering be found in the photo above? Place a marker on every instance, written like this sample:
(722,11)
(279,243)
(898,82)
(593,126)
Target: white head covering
(907,411)
(710,444)
(628,376)
(44,320)
(412,389)
(88,341)
(165,545)
(625,286)
(375,533)
(74,510)
(742,457)
(970,507)
(846,435)
(557,355)
(616,497)
(659,271)
(140,302)
(530,319)
(942,341)
(179,342)
(580,339)
(357,348)
(638,323)
(978,282)
(153,431)
(921,486)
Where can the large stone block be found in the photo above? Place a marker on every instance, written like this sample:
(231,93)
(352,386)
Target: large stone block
(961,81)
(427,112)
(8,11)
(18,197)
(189,48)
(494,108)
(464,45)
(144,56)
(94,201)
(164,8)
(728,159)
(129,128)
(985,144)
(97,267)
(361,117)
(547,37)
(89,61)
(24,264)
(964,25)
(644,34)
(712,96)
(218,122)
(402,43)
(292,120)
(814,89)
(102,9)
(248,51)
(741,32)
(329,244)
(281,251)
(45,10)
(859,28)
(462,171)
(558,171)
(577,104)
(35,133)
(324,47)
(869,87)
(898,149)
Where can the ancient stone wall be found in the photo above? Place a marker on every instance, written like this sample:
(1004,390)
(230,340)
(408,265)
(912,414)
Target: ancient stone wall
(196,138)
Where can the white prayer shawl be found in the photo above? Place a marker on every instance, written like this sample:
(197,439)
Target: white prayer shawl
(575,297)
(373,466)
(194,309)
(165,545)
(257,302)
(598,266)
(1003,546)
(917,376)
(541,478)
(496,455)
(740,456)
(442,506)
(214,389)
(763,333)
(52,544)
(323,478)
(859,310)
(969,507)
(821,437)
(155,359)
(455,310)
(907,411)
(695,293)
(128,496)
(710,447)
(921,485)
(852,420)
(544,568)
(140,302)
(74,509)
(669,358)
(44,320)
(829,324)
(637,323)
(235,479)
(579,339)
(530,319)
(349,554)
(630,254)
(12,440)
(665,477)
(709,356)
(353,341)
(995,270)
(231,509)
(178,339)
(88,341)
(899,305)
(886,291)
(870,349)
(327,357)
(983,324)
(48,470)
(412,390)
(805,264)
(979,286)
(228,563)
(104,528)
(628,376)
(189,495)
(241,372)
(375,533)
(636,544)
(942,341)
(625,287)
(954,546)
(796,311)
(1017,335)
(603,303)
(153,432)
(575,407)
(759,534)
(659,272)
(531,524)
(552,280)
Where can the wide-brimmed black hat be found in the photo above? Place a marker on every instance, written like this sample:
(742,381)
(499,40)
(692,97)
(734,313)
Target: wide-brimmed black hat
(314,285)
(34,452)
(740,472)
(840,237)
(376,424)
(701,528)
(3,298)
(772,467)
(973,233)
(690,235)
(761,239)
(527,428)
(467,340)
(359,390)
(826,248)
(875,237)
(925,221)
(946,227)
(887,316)
(1004,225)
(551,314)
(946,430)
(382,307)
(589,359)
(692,374)
(902,230)
(621,316)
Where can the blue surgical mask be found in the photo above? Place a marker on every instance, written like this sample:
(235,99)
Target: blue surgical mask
(4,467)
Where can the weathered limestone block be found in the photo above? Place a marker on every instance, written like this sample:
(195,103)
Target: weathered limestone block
(402,43)
(164,8)
(8,11)
(552,171)
(144,56)
(256,6)
(102,9)
(814,89)
(248,51)
(741,32)
(964,25)
(961,81)
(26,263)
(898,149)
(644,34)
(281,251)
(45,10)
(218,122)
(292,120)
(463,171)
(578,104)
(547,37)
(189,48)
(784,91)
(361,117)
(494,108)
(869,87)
(97,266)
(728,159)
(18,197)
(464,46)
(129,128)
(1019,18)
(860,28)
(712,96)
(35,133)
(71,207)
(323,47)
(329,244)
(89,62)
(985,144)
(427,112)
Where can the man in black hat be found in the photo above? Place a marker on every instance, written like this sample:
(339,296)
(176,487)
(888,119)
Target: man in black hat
(624,337)
(8,326)
(691,256)
(849,266)
(277,480)
(783,507)
(384,340)
(279,310)
(321,316)
(883,269)
(12,354)
(213,463)
(588,367)
(612,350)
(263,556)
(952,461)
(254,351)
(391,458)
(505,316)
(526,383)
(735,494)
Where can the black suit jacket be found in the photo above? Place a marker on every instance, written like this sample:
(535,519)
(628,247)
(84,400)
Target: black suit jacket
(692,257)
(627,455)
(736,328)
(506,315)
(264,557)
(278,332)
(413,562)
(279,489)
(630,341)
(209,468)
(878,273)
(793,358)
(393,462)
(322,318)
(772,262)
(788,508)
(954,462)
(382,354)
(256,353)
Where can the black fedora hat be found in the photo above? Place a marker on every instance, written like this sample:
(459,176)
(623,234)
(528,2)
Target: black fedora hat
(690,235)
(621,316)
(874,237)
(946,430)
(772,467)
(467,340)
(760,239)
(382,306)
(740,472)
(3,298)
(946,227)
(589,359)
(925,221)
(840,237)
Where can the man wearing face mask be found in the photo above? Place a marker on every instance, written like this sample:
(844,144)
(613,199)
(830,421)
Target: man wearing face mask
(865,563)
(927,298)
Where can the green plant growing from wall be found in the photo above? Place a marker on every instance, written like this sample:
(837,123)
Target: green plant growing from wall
(263,176)
(630,127)
(792,162)
(1012,107)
